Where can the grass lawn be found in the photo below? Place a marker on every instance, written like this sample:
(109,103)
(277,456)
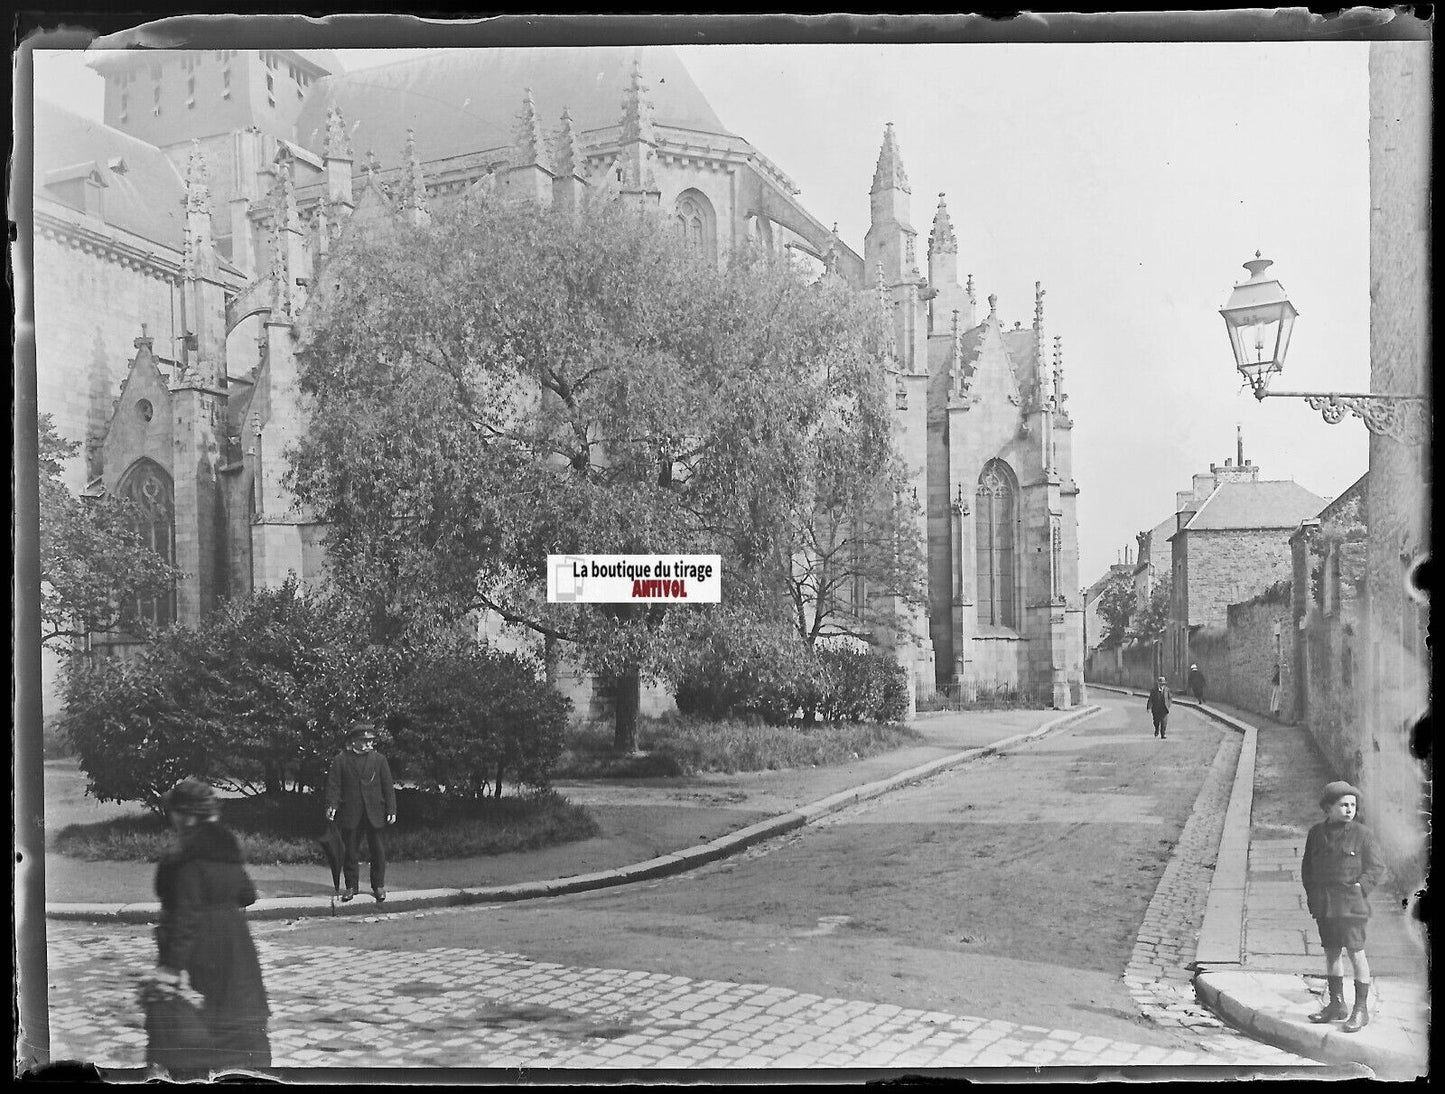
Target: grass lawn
(678,746)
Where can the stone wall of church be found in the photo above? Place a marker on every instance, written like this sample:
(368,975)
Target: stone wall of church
(88,312)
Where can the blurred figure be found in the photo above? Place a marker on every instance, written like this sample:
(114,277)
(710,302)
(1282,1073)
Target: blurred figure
(203,887)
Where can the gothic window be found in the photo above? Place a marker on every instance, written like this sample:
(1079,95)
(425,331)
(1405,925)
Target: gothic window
(995,527)
(148,488)
(694,223)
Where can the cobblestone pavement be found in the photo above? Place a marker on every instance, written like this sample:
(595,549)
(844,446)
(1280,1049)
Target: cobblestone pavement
(1159,974)
(454,1007)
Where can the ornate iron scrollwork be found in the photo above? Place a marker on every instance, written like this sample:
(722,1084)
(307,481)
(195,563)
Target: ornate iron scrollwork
(1404,419)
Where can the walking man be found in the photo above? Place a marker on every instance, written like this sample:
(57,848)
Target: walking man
(361,797)
(1159,702)
(1196,682)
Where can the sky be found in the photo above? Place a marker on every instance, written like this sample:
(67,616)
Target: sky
(1132,180)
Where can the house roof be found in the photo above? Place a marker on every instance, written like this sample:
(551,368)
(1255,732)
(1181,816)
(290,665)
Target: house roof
(1276,503)
(465,100)
(144,192)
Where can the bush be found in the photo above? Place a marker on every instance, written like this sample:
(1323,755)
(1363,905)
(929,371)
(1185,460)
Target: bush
(475,715)
(733,665)
(254,698)
(861,684)
(258,696)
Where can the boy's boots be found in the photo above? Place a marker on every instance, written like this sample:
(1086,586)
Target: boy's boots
(1334,1010)
(1360,1016)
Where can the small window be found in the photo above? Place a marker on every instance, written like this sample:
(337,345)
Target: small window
(145,409)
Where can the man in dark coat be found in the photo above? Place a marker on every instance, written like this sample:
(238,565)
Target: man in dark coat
(202,887)
(361,797)
(1341,865)
(1158,703)
(1196,682)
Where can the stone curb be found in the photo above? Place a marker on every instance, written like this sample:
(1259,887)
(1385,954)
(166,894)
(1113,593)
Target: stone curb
(676,862)
(1235,997)
(1221,982)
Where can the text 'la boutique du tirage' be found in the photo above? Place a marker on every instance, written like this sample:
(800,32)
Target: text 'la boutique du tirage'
(620,579)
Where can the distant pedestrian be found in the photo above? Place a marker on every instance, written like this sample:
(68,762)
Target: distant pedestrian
(203,887)
(1274,695)
(1341,864)
(361,797)
(1158,703)
(1196,682)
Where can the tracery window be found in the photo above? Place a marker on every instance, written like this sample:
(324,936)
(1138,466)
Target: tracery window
(148,488)
(694,222)
(995,526)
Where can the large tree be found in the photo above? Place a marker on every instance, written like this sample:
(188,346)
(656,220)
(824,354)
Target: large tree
(508,383)
(93,563)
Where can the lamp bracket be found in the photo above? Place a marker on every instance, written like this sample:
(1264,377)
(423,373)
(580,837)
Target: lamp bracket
(1404,418)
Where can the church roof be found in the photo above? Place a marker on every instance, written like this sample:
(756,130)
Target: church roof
(1275,503)
(466,100)
(144,192)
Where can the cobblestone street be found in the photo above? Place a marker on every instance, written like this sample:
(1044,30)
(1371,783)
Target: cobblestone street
(454,1007)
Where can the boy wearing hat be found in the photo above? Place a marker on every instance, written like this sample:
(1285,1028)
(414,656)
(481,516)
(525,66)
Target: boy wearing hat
(360,796)
(1341,864)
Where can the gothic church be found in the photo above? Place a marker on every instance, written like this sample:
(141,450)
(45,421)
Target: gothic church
(174,246)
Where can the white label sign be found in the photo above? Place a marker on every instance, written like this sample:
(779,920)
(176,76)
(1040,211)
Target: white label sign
(627,579)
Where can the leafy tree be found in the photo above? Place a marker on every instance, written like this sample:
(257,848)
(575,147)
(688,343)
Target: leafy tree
(1150,623)
(509,383)
(92,562)
(1116,605)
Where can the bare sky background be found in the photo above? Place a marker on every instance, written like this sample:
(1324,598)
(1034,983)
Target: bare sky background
(1133,180)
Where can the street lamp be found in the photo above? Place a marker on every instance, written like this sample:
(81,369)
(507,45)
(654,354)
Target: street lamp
(1260,320)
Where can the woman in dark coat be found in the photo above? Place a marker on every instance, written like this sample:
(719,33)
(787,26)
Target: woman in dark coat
(203,887)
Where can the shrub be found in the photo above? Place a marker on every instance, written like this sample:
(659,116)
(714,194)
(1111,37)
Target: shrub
(254,698)
(733,665)
(475,715)
(861,684)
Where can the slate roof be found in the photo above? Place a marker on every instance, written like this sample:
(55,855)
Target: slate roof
(467,100)
(146,199)
(1243,505)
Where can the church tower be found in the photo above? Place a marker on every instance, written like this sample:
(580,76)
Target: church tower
(890,256)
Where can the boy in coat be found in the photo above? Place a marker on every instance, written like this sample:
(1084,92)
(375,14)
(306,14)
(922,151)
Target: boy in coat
(1341,864)
(360,796)
(1159,702)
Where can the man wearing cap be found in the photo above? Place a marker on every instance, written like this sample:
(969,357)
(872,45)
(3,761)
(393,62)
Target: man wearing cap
(1196,682)
(1341,864)
(360,796)
(1158,704)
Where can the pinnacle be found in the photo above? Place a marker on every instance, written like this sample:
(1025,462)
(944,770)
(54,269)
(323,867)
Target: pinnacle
(529,146)
(942,240)
(889,173)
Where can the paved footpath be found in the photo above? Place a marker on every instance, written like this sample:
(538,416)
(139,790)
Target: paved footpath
(460,1007)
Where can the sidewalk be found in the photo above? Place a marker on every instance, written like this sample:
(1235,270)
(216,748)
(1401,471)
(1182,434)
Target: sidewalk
(650,827)
(1259,963)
